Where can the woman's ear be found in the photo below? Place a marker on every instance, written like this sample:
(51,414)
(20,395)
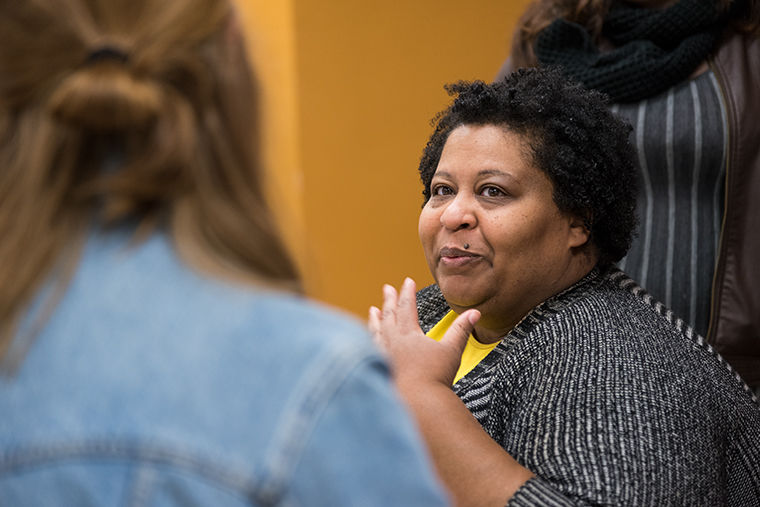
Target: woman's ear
(580,231)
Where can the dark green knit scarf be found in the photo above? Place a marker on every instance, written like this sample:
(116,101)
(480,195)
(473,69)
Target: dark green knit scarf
(654,49)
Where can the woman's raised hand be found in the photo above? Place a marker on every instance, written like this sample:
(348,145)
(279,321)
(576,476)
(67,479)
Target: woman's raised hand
(413,356)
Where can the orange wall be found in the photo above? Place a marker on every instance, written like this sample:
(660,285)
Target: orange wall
(358,83)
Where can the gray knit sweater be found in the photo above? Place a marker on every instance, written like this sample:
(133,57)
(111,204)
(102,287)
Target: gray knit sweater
(611,400)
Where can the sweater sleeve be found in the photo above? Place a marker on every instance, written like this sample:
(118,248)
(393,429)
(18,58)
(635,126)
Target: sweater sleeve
(538,492)
(614,418)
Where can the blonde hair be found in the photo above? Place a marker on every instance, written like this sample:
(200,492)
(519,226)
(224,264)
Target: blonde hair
(156,129)
(591,13)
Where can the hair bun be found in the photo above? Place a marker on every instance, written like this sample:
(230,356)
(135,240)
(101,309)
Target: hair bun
(105,95)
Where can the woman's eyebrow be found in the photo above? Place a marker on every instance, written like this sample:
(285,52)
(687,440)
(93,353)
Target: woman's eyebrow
(492,172)
(497,172)
(482,172)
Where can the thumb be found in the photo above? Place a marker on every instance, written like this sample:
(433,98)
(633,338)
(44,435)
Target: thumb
(460,330)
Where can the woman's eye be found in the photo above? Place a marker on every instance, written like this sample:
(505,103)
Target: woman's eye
(492,192)
(442,190)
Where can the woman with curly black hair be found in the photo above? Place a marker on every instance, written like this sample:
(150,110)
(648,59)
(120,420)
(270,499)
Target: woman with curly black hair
(571,385)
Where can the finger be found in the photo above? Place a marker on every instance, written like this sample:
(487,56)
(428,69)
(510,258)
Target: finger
(460,330)
(407,304)
(380,340)
(390,302)
(373,322)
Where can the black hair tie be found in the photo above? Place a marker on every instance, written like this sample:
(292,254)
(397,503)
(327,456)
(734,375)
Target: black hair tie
(106,53)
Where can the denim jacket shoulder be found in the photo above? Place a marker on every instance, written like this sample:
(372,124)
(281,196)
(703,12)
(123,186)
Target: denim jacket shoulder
(153,385)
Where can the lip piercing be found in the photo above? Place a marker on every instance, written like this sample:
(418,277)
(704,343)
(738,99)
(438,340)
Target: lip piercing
(466,246)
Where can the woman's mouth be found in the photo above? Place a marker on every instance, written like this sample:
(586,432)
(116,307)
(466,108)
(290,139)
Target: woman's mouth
(455,257)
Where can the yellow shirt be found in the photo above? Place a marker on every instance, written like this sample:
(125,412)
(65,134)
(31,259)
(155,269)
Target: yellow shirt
(474,351)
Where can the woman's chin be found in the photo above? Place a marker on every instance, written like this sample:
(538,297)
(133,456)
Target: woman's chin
(460,298)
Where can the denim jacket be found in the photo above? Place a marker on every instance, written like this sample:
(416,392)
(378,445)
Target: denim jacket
(153,385)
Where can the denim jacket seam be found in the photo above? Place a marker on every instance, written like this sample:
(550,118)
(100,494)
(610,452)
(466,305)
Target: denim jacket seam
(27,457)
(318,386)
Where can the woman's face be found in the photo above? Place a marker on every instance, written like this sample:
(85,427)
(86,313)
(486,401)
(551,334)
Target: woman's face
(486,194)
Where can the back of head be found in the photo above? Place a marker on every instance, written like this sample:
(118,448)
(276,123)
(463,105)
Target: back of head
(569,134)
(138,112)
(744,16)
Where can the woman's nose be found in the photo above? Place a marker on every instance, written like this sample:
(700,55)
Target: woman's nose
(459,213)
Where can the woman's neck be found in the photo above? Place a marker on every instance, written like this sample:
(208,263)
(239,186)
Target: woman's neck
(495,325)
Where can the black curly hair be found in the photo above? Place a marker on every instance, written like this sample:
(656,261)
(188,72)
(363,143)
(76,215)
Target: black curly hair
(572,136)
